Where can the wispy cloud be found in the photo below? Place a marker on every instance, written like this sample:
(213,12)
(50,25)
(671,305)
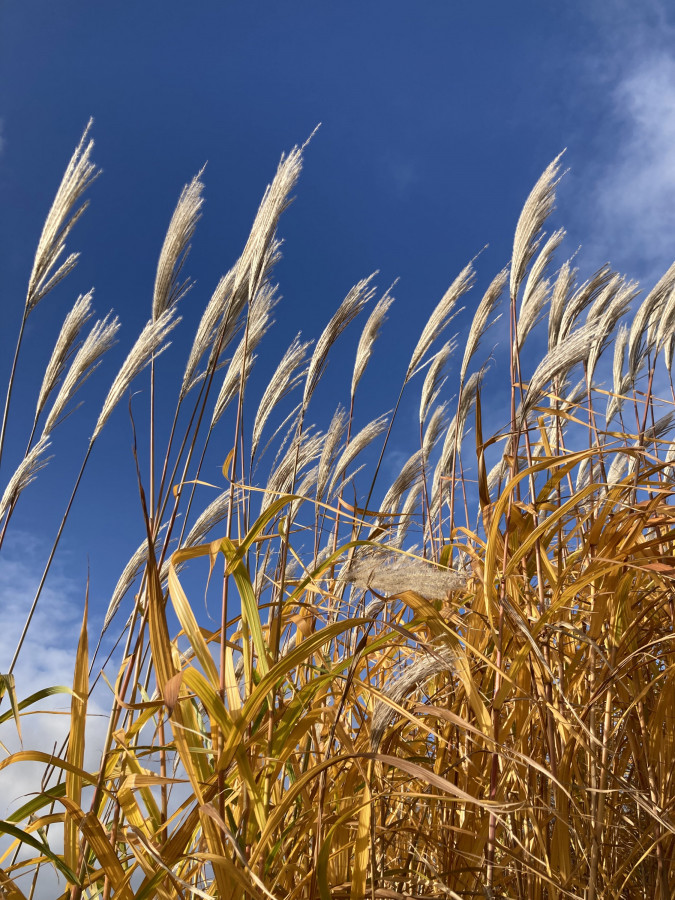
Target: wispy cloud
(636,194)
(47,658)
(627,188)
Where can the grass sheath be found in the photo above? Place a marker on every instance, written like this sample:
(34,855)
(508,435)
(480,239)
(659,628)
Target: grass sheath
(457,684)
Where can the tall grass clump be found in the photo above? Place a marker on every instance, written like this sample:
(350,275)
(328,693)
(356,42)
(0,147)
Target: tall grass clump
(459,684)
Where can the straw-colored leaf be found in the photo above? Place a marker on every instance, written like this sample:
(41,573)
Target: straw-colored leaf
(76,741)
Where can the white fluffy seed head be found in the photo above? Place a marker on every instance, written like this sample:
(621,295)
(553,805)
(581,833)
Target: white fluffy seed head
(369,335)
(47,272)
(285,378)
(78,316)
(168,287)
(350,307)
(99,340)
(25,473)
(440,317)
(236,376)
(434,379)
(147,345)
(480,320)
(538,207)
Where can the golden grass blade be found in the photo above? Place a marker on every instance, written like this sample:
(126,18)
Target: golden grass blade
(23,837)
(76,739)
(99,842)
(8,686)
(191,628)
(9,888)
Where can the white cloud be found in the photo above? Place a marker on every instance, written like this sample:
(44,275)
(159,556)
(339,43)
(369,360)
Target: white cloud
(46,659)
(635,194)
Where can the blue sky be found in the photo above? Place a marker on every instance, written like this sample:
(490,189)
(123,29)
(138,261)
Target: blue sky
(437,118)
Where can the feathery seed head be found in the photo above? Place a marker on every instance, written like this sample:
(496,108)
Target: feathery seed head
(259,320)
(356,445)
(433,380)
(440,317)
(62,216)
(25,473)
(559,299)
(63,349)
(369,335)
(99,340)
(424,667)
(536,288)
(250,269)
(393,573)
(480,320)
(146,346)
(332,439)
(535,212)
(168,288)
(572,350)
(350,307)
(285,378)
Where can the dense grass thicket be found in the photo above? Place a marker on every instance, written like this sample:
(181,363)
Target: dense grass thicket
(457,685)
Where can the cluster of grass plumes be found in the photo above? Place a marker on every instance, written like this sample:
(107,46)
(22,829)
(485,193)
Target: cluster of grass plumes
(459,684)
